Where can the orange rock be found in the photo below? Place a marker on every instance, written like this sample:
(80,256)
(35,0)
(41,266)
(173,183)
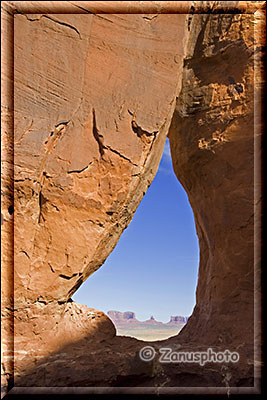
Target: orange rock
(89,133)
(94,97)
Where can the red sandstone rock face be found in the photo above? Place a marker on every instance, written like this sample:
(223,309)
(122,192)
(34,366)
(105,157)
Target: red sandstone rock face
(93,100)
(94,97)
(214,138)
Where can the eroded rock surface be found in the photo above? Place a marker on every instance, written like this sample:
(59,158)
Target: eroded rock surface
(214,139)
(93,102)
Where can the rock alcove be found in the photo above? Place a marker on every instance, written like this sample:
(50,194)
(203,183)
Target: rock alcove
(153,268)
(87,142)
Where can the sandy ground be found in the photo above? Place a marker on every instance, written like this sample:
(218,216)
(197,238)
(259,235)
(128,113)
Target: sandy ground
(149,333)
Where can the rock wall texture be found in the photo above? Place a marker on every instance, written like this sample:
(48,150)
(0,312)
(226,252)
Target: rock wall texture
(89,133)
(212,139)
(215,145)
(94,99)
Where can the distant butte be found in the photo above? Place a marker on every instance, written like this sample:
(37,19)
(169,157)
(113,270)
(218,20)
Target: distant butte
(128,317)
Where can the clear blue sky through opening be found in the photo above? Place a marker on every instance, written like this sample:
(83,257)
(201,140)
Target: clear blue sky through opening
(153,269)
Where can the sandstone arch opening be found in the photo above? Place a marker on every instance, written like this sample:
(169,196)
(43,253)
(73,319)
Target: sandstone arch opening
(147,284)
(107,131)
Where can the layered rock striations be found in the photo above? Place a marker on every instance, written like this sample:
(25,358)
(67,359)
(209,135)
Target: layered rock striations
(89,133)
(93,100)
(94,96)
(214,140)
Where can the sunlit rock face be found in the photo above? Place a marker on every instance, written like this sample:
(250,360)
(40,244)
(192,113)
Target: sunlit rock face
(93,100)
(94,97)
(212,145)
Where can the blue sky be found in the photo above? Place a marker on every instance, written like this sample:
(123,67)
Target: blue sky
(153,269)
